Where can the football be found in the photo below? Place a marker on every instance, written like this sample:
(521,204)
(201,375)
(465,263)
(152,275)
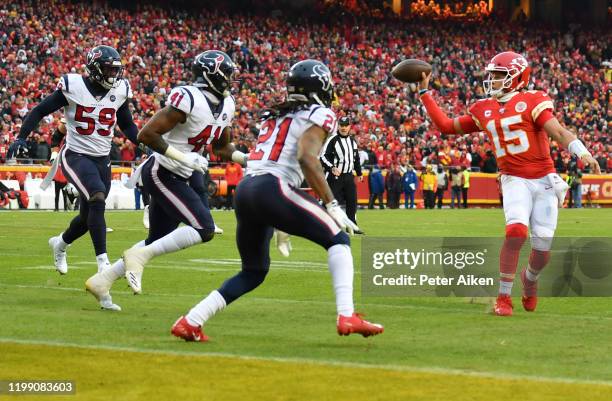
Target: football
(410,70)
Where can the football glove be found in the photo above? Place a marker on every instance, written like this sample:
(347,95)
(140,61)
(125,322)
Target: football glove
(336,212)
(559,186)
(195,162)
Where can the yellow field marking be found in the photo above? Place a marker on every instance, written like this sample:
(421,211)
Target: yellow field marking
(102,373)
(192,350)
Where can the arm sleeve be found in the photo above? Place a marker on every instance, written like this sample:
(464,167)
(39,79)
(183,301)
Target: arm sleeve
(443,122)
(50,104)
(56,138)
(124,119)
(327,158)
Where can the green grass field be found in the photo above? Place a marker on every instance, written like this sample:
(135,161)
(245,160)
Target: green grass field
(279,342)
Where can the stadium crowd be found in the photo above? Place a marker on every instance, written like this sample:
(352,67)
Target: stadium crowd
(41,40)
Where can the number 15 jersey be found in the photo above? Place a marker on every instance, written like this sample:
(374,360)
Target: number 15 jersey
(90,120)
(277,143)
(515,128)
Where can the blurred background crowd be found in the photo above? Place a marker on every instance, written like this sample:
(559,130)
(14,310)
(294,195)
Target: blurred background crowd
(41,40)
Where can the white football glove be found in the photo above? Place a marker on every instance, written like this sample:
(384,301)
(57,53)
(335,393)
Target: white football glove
(283,242)
(559,186)
(338,214)
(203,162)
(195,162)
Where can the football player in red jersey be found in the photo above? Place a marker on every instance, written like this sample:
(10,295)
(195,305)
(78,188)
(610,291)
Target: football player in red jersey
(519,123)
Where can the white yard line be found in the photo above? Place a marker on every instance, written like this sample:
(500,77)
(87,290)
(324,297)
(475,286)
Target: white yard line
(320,362)
(445,308)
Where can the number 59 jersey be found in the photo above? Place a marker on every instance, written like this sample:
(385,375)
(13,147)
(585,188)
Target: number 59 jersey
(515,128)
(90,120)
(277,143)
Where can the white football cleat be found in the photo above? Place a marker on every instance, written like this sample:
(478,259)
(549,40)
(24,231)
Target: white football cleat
(135,260)
(99,286)
(283,243)
(145,217)
(109,230)
(218,230)
(59,255)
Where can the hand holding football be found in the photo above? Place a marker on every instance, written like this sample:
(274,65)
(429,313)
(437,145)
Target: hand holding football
(411,70)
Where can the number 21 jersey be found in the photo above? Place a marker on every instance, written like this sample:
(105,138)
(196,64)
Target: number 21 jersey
(277,143)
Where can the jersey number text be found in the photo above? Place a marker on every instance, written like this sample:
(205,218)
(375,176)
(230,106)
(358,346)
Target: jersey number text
(267,130)
(106,117)
(509,136)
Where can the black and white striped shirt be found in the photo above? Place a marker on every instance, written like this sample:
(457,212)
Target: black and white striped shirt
(341,152)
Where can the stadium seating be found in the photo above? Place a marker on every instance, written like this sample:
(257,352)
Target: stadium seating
(360,50)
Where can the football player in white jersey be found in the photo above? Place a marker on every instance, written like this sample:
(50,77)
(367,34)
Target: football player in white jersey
(196,115)
(269,197)
(92,104)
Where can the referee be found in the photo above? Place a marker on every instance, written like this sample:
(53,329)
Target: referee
(340,158)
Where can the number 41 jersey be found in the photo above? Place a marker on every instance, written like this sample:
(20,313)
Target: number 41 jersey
(277,143)
(90,120)
(515,129)
(205,122)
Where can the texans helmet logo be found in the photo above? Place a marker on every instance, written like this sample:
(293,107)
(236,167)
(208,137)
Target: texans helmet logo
(93,55)
(211,65)
(324,76)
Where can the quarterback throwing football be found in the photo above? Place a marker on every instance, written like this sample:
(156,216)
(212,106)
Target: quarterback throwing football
(519,123)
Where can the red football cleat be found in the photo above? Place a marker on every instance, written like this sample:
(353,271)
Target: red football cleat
(182,329)
(503,305)
(355,324)
(530,292)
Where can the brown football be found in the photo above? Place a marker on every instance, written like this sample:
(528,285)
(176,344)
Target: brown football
(410,70)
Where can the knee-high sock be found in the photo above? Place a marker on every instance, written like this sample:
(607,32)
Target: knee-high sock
(537,261)
(78,225)
(206,309)
(97,226)
(516,234)
(340,263)
(181,238)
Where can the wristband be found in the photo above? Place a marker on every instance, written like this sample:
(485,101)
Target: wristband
(422,91)
(175,154)
(239,157)
(577,148)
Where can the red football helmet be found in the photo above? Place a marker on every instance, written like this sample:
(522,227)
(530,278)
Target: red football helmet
(517,72)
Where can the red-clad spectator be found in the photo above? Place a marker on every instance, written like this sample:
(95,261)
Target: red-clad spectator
(47,39)
(233,175)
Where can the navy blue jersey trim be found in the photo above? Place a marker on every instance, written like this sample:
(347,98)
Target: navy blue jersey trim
(313,110)
(190,98)
(65,78)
